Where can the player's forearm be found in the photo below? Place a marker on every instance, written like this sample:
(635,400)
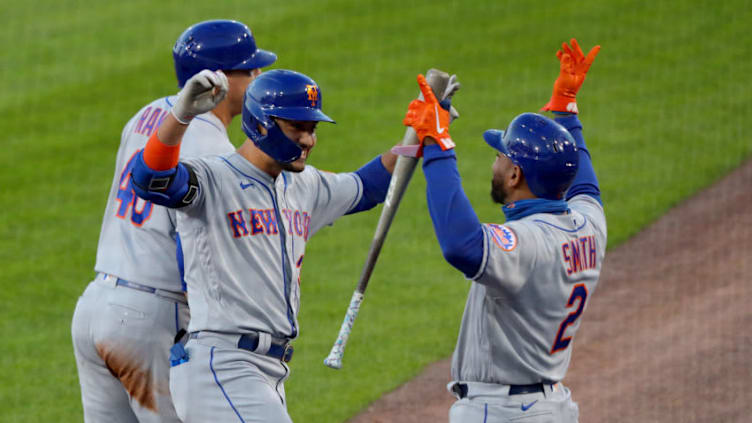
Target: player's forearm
(163,148)
(389,160)
(375,177)
(585,182)
(457,227)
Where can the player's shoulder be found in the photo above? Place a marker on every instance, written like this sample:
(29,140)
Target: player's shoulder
(208,125)
(164,104)
(144,111)
(510,235)
(585,203)
(505,236)
(199,141)
(589,207)
(146,120)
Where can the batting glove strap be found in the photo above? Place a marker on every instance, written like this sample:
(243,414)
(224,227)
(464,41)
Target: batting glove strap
(561,103)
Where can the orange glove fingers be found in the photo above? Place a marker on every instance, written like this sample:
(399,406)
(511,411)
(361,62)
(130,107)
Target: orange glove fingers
(578,54)
(566,49)
(426,90)
(591,56)
(567,66)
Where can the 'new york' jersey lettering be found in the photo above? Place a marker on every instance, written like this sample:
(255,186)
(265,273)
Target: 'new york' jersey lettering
(534,284)
(264,222)
(244,239)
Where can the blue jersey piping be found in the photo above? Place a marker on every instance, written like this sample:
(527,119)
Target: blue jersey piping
(577,229)
(282,237)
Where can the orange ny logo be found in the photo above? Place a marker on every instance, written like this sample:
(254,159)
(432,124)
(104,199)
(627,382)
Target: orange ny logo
(313,93)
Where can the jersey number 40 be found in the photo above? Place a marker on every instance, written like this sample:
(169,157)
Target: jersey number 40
(140,209)
(579,292)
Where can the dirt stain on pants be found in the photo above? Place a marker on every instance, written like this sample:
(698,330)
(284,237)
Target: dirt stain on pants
(137,381)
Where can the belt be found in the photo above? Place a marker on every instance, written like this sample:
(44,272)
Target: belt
(163,293)
(279,348)
(461,389)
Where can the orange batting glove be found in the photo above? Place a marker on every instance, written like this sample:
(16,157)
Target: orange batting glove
(574,67)
(428,118)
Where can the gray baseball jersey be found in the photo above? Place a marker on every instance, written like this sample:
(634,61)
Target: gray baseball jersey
(244,239)
(137,240)
(534,282)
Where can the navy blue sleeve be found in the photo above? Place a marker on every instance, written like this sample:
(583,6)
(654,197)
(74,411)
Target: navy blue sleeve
(457,227)
(585,182)
(375,180)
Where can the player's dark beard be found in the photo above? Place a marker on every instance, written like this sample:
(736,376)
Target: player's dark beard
(497,191)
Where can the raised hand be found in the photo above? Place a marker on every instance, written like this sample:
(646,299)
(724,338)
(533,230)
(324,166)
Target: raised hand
(428,117)
(574,65)
(202,92)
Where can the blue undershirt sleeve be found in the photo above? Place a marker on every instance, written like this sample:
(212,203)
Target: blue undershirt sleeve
(375,180)
(457,227)
(585,182)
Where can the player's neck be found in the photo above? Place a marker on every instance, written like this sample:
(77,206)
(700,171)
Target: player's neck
(259,159)
(520,194)
(223,113)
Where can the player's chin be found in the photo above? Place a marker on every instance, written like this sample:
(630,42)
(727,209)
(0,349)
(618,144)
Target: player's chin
(296,166)
(497,192)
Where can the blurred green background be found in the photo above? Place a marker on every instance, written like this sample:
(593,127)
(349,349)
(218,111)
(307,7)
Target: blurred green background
(664,108)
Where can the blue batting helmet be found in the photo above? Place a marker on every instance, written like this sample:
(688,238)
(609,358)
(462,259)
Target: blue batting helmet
(217,45)
(283,94)
(544,150)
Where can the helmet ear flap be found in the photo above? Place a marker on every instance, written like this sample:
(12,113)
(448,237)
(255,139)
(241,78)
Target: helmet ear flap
(253,116)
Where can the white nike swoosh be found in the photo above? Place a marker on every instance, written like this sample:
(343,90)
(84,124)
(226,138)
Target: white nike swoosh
(438,129)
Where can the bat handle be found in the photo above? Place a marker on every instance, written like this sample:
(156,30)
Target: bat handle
(334,360)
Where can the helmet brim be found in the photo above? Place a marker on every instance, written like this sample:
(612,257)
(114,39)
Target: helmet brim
(306,114)
(495,138)
(259,59)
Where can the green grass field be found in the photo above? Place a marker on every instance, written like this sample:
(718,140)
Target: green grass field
(664,109)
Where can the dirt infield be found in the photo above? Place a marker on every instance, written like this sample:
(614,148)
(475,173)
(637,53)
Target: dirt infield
(668,335)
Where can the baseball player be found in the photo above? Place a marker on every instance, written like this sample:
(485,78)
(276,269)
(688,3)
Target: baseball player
(533,275)
(244,220)
(125,321)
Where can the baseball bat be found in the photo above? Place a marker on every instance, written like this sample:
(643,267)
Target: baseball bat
(403,171)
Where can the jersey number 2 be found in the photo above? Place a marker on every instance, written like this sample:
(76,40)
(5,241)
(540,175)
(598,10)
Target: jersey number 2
(128,200)
(578,292)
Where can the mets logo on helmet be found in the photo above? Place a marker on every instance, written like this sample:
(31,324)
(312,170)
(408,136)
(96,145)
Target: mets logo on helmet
(503,237)
(313,94)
